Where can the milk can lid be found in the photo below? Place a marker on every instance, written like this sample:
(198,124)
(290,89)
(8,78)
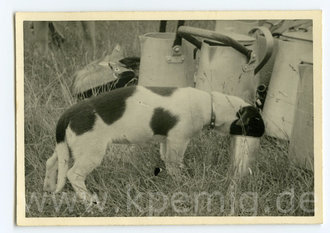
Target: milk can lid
(305,34)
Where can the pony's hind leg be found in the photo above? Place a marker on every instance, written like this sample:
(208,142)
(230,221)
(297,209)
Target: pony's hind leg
(85,163)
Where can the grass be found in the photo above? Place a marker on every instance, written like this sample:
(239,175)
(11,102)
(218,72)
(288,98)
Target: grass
(275,188)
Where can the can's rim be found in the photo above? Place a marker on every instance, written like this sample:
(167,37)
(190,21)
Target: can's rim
(214,43)
(160,35)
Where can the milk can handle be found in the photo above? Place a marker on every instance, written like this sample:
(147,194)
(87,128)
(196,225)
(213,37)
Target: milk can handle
(185,30)
(269,46)
(178,38)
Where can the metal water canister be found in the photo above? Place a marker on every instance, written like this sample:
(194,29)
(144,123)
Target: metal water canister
(227,70)
(301,149)
(243,149)
(278,113)
(244,27)
(165,65)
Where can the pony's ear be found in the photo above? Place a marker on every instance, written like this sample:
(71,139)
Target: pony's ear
(249,122)
(244,115)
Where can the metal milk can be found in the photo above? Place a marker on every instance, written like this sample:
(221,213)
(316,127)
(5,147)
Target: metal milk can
(301,149)
(228,62)
(244,27)
(226,70)
(163,64)
(278,113)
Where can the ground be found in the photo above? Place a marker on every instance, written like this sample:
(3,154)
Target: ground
(125,183)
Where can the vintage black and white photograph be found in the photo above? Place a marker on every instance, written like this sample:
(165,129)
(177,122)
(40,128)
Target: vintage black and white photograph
(168,117)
